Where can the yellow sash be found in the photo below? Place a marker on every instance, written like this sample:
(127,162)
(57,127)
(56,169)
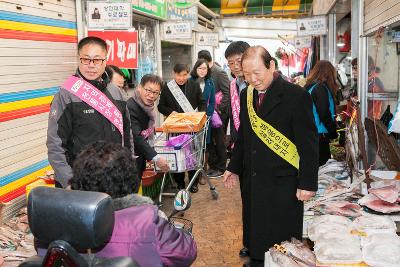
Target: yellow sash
(274,139)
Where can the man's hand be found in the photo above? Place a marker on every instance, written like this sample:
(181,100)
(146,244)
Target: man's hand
(173,112)
(304,195)
(68,187)
(230,179)
(162,164)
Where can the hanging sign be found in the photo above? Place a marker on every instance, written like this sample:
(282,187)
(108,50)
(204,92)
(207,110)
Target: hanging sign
(207,39)
(302,42)
(177,30)
(113,15)
(312,26)
(175,12)
(122,47)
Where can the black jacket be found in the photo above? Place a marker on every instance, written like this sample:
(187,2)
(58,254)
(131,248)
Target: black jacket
(73,125)
(191,90)
(222,84)
(140,122)
(321,101)
(268,182)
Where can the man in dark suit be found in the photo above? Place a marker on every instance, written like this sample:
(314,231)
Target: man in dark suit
(217,150)
(192,96)
(276,178)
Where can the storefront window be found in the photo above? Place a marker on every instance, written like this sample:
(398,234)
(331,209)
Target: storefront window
(383,74)
(147,62)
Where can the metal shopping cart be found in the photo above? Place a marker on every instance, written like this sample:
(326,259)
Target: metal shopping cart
(184,152)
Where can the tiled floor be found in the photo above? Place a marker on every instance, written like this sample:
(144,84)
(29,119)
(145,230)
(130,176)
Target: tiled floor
(217,226)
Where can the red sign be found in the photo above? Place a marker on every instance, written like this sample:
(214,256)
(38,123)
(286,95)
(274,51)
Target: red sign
(122,47)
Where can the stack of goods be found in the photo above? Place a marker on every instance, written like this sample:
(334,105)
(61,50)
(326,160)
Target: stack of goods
(334,243)
(383,197)
(16,242)
(290,254)
(369,240)
(184,122)
(335,195)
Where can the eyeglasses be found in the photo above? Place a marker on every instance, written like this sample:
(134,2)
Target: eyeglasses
(148,92)
(235,62)
(96,61)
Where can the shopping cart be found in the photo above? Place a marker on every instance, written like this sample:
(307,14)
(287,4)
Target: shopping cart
(187,154)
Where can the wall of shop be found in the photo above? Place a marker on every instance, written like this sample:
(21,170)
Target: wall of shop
(37,53)
(378,13)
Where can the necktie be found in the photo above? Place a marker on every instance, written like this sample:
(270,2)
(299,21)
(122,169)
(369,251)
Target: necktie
(260,99)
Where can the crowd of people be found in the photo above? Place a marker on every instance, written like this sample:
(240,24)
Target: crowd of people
(99,139)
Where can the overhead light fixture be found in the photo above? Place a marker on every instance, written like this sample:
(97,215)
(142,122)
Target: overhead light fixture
(340,42)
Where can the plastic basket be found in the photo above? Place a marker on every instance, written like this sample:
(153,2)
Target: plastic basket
(181,223)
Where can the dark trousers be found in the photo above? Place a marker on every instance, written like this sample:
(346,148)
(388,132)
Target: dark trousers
(180,179)
(324,150)
(216,150)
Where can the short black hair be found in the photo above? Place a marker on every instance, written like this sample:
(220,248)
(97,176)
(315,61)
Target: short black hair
(111,69)
(204,54)
(236,48)
(150,78)
(199,62)
(179,67)
(92,40)
(105,167)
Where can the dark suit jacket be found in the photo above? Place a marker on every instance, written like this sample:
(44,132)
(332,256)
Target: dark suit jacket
(193,93)
(269,183)
(140,122)
(221,83)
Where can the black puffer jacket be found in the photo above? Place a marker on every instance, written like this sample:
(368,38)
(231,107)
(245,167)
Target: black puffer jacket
(73,125)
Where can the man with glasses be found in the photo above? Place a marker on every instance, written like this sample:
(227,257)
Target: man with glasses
(142,114)
(88,108)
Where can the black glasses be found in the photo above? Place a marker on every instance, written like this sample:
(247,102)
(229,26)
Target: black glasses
(148,92)
(96,61)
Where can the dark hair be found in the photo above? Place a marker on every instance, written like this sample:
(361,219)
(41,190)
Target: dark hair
(150,78)
(179,67)
(354,62)
(204,54)
(92,40)
(276,63)
(198,63)
(105,167)
(236,48)
(111,69)
(324,72)
(258,51)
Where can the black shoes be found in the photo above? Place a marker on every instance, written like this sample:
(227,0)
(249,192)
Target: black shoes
(244,252)
(194,189)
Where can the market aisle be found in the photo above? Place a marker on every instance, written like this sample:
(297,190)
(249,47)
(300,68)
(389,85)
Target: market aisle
(217,226)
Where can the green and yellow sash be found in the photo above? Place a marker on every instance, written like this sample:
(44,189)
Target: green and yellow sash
(274,139)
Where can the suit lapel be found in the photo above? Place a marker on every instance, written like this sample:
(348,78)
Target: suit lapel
(272,98)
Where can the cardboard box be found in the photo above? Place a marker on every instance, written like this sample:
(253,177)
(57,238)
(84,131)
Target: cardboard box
(188,122)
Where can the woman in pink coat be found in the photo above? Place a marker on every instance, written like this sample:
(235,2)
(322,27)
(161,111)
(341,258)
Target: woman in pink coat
(141,231)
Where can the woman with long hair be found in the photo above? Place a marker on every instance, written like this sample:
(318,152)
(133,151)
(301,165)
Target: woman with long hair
(321,84)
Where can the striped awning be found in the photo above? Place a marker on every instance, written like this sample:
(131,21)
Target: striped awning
(259,7)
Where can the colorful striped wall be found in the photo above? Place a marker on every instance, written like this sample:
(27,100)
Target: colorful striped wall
(37,53)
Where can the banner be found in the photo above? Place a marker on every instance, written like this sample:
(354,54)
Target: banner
(104,15)
(122,47)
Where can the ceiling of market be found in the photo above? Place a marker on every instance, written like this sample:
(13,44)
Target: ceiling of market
(260,8)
